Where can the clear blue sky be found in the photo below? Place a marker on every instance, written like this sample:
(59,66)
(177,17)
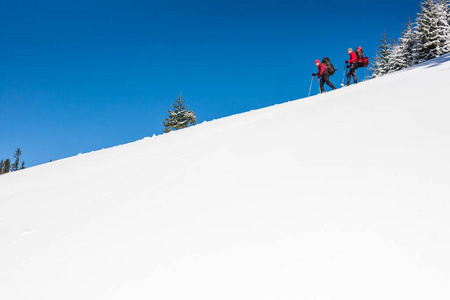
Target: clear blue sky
(79,76)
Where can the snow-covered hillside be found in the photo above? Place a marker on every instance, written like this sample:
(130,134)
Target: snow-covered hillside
(344,195)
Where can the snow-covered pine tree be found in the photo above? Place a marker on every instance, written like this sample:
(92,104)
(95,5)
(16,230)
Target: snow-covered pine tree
(380,65)
(395,59)
(422,31)
(375,67)
(408,46)
(443,22)
(180,117)
(432,30)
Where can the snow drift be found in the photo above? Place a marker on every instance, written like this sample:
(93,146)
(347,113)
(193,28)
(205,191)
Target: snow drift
(338,196)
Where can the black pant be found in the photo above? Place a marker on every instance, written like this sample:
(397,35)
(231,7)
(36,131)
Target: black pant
(352,72)
(325,78)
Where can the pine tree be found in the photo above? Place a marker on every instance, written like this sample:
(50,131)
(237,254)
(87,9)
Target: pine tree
(423,31)
(15,165)
(1,166)
(395,59)
(408,46)
(6,166)
(375,67)
(180,117)
(380,64)
(432,30)
(443,22)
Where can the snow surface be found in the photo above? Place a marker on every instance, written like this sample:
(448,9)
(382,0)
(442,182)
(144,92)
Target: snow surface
(338,196)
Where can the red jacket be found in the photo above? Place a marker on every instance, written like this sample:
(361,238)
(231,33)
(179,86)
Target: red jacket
(353,57)
(322,68)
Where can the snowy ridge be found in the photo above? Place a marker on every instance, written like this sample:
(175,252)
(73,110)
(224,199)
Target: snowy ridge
(338,196)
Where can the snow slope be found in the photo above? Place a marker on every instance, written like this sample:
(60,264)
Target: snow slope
(337,196)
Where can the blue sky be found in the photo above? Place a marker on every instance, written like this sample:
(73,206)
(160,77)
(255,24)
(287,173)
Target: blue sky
(79,76)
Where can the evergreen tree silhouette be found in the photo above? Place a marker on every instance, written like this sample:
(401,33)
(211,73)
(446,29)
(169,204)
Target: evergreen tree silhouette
(179,117)
(15,165)
(6,166)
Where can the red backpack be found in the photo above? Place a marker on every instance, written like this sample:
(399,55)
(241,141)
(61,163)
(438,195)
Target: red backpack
(361,60)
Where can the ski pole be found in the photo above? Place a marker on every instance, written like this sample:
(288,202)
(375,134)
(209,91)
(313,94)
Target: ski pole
(312,78)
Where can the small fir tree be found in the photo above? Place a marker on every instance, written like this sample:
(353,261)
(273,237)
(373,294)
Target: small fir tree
(6,166)
(376,66)
(180,117)
(15,165)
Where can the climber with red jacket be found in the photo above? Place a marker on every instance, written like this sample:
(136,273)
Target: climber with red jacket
(352,65)
(324,76)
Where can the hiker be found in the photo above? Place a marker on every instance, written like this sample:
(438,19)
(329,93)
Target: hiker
(352,65)
(324,76)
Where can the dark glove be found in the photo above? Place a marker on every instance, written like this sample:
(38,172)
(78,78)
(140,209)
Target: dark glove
(314,74)
(346,61)
(348,66)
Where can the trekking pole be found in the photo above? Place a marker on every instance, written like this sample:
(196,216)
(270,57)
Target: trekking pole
(312,78)
(318,81)
(345,74)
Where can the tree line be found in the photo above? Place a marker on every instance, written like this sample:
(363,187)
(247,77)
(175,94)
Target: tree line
(6,166)
(427,38)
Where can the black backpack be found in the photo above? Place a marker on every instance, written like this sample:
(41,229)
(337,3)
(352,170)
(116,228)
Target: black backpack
(330,68)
